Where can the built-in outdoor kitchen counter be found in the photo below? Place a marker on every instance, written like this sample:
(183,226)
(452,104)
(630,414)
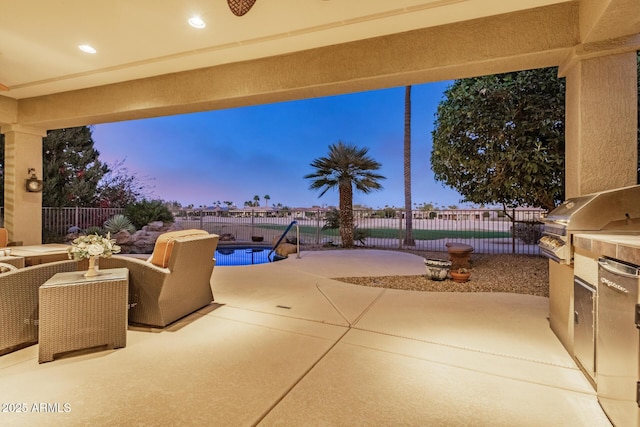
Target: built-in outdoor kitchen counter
(576,233)
(605,305)
(589,247)
(593,245)
(623,247)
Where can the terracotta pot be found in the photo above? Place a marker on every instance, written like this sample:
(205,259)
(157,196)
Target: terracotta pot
(459,277)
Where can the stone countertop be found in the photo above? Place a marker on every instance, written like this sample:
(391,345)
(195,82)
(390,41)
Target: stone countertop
(623,247)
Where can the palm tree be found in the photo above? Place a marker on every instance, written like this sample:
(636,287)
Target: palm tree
(408,213)
(345,166)
(256,200)
(266,200)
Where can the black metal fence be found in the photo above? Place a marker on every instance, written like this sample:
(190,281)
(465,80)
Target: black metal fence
(56,222)
(487,230)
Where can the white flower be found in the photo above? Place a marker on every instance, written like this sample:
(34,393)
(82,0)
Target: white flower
(95,249)
(93,245)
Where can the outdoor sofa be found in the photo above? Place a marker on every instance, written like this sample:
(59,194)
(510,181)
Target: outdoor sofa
(174,281)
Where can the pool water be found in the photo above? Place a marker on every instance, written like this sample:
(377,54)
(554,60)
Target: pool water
(228,256)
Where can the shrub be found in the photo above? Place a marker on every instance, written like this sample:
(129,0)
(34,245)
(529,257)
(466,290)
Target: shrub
(528,232)
(146,211)
(332,222)
(360,235)
(94,229)
(49,236)
(119,223)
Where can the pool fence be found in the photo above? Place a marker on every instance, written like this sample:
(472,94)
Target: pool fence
(487,230)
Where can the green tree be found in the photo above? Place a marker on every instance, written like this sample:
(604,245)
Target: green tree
(507,158)
(71,168)
(256,200)
(500,139)
(266,200)
(346,166)
(119,188)
(408,213)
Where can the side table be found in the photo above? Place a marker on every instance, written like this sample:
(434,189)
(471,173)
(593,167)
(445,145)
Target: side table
(80,313)
(459,254)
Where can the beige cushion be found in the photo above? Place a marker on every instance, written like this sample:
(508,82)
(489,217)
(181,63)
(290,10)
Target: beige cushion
(4,237)
(164,245)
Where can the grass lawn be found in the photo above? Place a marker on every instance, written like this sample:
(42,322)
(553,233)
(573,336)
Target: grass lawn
(394,233)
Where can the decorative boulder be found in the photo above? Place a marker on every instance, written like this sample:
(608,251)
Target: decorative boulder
(155,226)
(144,240)
(140,242)
(122,237)
(285,249)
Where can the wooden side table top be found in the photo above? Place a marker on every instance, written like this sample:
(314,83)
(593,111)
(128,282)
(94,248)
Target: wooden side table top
(39,254)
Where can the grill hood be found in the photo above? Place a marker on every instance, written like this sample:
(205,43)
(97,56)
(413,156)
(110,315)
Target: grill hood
(612,210)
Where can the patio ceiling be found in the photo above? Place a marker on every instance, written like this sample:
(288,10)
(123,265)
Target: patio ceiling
(150,62)
(39,39)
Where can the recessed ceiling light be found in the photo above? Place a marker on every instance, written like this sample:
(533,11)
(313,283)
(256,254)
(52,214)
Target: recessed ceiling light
(197,22)
(87,48)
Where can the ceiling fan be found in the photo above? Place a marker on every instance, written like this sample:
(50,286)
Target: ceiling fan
(240,7)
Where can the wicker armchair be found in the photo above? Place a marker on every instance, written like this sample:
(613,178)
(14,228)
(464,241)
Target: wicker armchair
(159,296)
(19,303)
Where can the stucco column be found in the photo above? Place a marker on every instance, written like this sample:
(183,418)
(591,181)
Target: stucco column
(22,209)
(601,124)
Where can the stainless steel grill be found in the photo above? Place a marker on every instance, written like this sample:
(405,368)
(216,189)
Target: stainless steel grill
(613,212)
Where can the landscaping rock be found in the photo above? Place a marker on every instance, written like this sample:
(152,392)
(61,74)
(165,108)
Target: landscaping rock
(122,237)
(285,249)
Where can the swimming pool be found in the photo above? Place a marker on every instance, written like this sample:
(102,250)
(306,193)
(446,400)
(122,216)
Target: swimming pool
(242,255)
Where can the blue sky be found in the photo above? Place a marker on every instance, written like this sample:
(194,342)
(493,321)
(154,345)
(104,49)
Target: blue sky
(235,154)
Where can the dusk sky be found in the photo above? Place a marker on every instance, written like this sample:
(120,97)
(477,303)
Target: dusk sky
(238,153)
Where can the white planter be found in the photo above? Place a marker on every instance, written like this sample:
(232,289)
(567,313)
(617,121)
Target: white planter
(437,269)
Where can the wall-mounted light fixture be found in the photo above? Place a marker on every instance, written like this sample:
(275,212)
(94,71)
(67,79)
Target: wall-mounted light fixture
(33,184)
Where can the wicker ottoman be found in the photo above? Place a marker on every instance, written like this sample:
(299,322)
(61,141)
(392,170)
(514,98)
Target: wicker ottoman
(79,313)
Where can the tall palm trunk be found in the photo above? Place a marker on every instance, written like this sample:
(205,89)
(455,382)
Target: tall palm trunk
(408,213)
(346,214)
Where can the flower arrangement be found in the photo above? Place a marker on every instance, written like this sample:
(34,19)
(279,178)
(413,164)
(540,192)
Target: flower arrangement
(93,245)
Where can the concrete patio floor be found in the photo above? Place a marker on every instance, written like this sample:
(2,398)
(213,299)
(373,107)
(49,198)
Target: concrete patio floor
(285,344)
